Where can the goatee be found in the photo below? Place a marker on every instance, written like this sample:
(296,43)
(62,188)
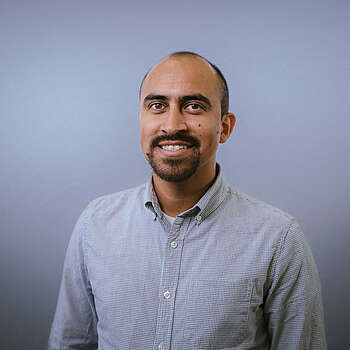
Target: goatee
(175,170)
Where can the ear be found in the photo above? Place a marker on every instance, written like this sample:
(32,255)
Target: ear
(228,121)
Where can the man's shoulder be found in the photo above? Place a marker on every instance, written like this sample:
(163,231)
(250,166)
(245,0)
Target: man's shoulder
(118,200)
(253,212)
(258,206)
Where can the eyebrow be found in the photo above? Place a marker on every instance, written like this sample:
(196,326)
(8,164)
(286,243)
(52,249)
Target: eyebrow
(182,99)
(152,97)
(195,97)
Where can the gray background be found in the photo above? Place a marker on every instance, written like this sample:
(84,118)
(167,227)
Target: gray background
(69,75)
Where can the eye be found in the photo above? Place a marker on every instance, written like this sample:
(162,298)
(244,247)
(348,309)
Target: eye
(194,108)
(156,106)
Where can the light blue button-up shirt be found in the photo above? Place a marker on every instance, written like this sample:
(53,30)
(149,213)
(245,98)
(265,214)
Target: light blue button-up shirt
(232,272)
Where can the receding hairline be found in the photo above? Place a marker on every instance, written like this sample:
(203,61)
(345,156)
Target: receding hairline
(221,79)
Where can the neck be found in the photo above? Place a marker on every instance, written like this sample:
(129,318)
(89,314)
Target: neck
(176,197)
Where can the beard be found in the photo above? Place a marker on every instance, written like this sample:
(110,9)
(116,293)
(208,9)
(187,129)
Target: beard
(175,170)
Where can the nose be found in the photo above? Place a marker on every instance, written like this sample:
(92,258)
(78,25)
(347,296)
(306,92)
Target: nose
(174,121)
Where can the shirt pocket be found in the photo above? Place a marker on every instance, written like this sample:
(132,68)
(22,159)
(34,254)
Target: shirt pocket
(217,313)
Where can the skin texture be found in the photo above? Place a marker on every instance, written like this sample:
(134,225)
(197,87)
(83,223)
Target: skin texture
(180,103)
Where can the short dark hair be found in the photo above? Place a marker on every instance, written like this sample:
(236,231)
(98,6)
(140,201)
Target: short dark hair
(223,83)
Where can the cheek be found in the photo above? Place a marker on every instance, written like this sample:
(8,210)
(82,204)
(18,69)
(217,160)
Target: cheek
(211,132)
(146,129)
(144,138)
(209,137)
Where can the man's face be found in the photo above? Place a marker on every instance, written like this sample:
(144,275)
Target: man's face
(180,118)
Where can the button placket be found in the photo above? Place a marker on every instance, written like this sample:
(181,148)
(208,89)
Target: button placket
(168,286)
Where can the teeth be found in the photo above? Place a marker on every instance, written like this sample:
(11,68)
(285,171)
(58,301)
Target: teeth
(173,147)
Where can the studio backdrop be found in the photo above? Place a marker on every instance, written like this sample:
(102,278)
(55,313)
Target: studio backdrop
(69,130)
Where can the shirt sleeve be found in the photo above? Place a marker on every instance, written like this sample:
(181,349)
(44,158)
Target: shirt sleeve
(293,307)
(74,324)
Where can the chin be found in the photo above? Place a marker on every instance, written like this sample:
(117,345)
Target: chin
(174,170)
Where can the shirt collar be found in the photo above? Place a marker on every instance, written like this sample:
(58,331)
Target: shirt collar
(207,204)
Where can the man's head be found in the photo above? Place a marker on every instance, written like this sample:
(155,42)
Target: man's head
(222,80)
(183,116)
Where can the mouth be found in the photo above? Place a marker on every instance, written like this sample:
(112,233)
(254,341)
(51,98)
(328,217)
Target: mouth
(174,149)
(176,145)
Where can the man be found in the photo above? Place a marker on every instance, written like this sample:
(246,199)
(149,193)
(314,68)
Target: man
(185,262)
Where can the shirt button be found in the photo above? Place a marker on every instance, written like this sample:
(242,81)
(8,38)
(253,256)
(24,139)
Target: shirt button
(166,294)
(173,244)
(161,346)
(199,218)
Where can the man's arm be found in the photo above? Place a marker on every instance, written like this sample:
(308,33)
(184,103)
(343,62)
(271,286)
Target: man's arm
(293,307)
(74,324)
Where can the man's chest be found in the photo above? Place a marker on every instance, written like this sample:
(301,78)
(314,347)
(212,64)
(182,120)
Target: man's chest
(193,287)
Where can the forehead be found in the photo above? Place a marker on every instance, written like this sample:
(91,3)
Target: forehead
(177,76)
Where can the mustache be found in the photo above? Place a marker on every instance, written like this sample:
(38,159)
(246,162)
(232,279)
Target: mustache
(179,136)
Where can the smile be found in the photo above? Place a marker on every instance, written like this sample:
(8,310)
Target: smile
(173,147)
